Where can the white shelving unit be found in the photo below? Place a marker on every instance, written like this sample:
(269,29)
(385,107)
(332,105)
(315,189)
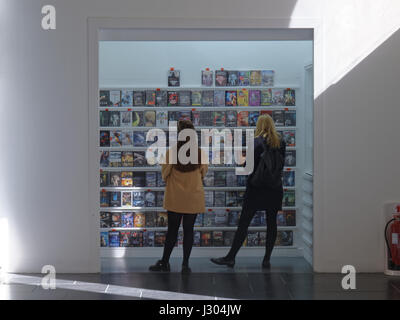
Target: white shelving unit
(201,251)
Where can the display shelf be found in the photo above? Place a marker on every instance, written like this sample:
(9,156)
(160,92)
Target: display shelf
(197,128)
(214,228)
(239,188)
(199,87)
(143,209)
(158,168)
(198,108)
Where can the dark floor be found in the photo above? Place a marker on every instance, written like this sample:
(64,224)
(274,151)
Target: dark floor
(289,278)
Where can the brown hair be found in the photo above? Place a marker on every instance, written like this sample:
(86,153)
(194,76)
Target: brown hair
(186,124)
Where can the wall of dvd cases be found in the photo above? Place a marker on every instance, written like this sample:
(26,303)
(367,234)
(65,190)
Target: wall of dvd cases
(131,189)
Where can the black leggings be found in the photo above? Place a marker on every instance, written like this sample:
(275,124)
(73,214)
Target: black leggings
(174,221)
(240,235)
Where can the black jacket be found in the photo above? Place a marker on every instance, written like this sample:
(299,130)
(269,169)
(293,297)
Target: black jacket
(263,198)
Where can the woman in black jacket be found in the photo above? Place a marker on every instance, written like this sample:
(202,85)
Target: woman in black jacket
(256,199)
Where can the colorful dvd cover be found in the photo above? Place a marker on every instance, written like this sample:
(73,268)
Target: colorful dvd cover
(136,239)
(161,98)
(173,98)
(207,77)
(174,78)
(116,138)
(289,96)
(104,138)
(150,198)
(255,78)
(127,179)
(231,199)
(149,118)
(290,138)
(244,78)
(104,98)
(113,237)
(199,220)
(126,118)
(148,238)
(219,199)
(196,98)
(139,220)
(184,115)
(115,97)
(151,179)
(138,199)
(207,98)
(104,178)
(185,98)
(243,98)
(266,97)
(267,78)
(139,159)
(127,138)
(104,118)
(115,220)
(219,98)
(159,238)
(139,139)
(150,98)
(233,78)
(105,159)
(231,98)
(218,238)
(290,158)
(104,199)
(243,119)
(126,199)
(115,179)
(115,199)
(290,118)
(127,158)
(115,120)
(137,119)
(277,97)
(289,198)
(139,98)
(221,218)
(162,119)
(279,118)
(151,219)
(253,117)
(218,118)
(228,238)
(206,239)
(104,239)
(162,219)
(115,159)
(126,98)
(231,118)
(127,220)
(196,118)
(284,238)
(221,78)
(289,179)
(254,97)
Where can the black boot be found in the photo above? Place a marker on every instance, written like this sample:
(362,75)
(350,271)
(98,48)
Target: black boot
(224,261)
(266,264)
(160,266)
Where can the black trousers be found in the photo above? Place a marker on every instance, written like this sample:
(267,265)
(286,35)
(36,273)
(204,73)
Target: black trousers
(174,221)
(240,235)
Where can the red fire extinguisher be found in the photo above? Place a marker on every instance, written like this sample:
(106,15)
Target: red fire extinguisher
(392,238)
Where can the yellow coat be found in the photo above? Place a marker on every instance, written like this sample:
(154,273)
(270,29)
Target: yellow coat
(184,192)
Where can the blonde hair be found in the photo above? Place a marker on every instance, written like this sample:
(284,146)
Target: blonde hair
(266,128)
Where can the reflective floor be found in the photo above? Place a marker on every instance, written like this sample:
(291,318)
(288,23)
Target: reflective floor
(288,278)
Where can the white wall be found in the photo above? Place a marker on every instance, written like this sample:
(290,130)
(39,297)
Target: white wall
(44,86)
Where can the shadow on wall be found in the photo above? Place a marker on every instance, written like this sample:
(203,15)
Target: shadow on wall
(360,150)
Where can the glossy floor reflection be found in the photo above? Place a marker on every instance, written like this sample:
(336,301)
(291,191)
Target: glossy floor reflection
(289,278)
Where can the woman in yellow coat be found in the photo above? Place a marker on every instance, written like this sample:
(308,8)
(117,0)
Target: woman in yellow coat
(183,198)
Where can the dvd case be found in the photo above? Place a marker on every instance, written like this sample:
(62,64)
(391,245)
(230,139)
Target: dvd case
(207,78)
(126,98)
(174,78)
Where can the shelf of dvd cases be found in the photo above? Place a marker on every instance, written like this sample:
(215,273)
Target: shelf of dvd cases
(206,113)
